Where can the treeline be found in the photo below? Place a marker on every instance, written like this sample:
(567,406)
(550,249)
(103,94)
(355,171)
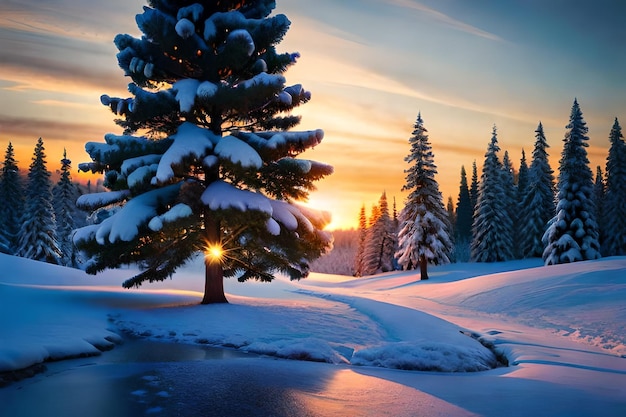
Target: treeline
(505,214)
(38,217)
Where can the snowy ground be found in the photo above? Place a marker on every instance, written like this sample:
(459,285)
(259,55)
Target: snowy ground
(562,328)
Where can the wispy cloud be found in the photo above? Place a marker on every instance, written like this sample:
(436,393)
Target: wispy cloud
(445,19)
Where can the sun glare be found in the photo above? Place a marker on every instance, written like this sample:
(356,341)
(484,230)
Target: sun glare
(214,253)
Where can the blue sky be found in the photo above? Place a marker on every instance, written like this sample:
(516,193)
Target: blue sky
(371,66)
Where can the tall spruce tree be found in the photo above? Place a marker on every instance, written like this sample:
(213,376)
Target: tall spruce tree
(64,196)
(491,229)
(573,233)
(218,172)
(362,240)
(614,208)
(425,232)
(537,206)
(37,238)
(11,202)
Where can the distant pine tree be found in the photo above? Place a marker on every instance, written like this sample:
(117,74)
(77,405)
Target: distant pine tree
(11,202)
(380,240)
(464,211)
(522,179)
(425,231)
(362,240)
(599,191)
(614,208)
(37,237)
(492,225)
(510,192)
(573,233)
(64,196)
(537,206)
(474,187)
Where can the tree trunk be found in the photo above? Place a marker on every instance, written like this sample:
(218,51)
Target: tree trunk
(213,272)
(213,283)
(423,268)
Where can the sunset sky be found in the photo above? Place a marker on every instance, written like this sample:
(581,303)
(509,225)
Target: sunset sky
(371,66)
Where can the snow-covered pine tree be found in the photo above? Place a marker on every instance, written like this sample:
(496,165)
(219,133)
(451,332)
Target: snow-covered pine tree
(362,240)
(599,191)
(379,248)
(425,232)
(464,214)
(491,229)
(474,187)
(11,202)
(218,172)
(614,209)
(451,213)
(510,192)
(64,196)
(522,179)
(37,236)
(573,232)
(537,206)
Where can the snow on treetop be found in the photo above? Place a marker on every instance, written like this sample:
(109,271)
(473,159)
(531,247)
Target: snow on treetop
(131,164)
(263,78)
(189,141)
(222,196)
(177,212)
(192,12)
(186,93)
(95,200)
(240,38)
(124,225)
(238,152)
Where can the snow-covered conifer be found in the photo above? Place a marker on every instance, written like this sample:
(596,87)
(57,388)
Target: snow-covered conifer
(464,211)
(614,207)
(425,232)
(599,191)
(64,196)
(219,171)
(510,193)
(491,229)
(11,202)
(522,179)
(537,205)
(474,187)
(362,240)
(573,232)
(380,244)
(37,237)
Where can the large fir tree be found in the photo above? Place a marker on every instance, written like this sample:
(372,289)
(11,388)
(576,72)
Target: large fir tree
(573,233)
(425,232)
(11,202)
(492,226)
(37,237)
(614,208)
(64,196)
(537,205)
(218,172)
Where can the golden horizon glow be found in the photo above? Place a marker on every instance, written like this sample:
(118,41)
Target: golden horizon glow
(464,75)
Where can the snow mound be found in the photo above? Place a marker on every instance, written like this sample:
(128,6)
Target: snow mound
(432,356)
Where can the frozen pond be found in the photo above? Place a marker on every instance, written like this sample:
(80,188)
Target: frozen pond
(163,379)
